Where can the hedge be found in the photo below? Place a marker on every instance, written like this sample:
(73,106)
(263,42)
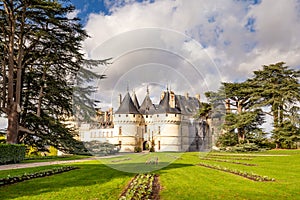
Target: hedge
(12,153)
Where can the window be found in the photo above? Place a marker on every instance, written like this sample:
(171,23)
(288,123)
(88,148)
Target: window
(120,130)
(120,144)
(126,115)
(145,128)
(146,116)
(157,115)
(175,115)
(158,145)
(159,130)
(133,115)
(119,115)
(166,115)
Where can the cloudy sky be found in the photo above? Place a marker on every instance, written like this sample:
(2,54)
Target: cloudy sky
(186,45)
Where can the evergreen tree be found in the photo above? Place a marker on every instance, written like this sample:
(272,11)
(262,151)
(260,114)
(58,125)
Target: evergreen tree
(277,86)
(241,116)
(40,60)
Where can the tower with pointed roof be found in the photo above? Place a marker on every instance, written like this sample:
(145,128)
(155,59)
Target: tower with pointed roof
(127,120)
(169,126)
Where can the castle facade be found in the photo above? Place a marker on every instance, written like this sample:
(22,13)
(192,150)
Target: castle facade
(170,125)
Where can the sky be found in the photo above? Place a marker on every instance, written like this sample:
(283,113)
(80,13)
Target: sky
(185,45)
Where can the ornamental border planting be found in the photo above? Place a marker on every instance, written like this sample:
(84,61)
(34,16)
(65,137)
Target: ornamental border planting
(251,176)
(142,186)
(230,161)
(16,179)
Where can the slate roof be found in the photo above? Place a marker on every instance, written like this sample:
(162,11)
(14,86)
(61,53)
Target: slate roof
(183,105)
(164,106)
(135,101)
(127,106)
(187,106)
(147,106)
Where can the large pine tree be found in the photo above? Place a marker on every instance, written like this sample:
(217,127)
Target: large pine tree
(40,57)
(277,86)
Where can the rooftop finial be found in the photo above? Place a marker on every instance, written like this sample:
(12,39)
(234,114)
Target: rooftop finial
(147,89)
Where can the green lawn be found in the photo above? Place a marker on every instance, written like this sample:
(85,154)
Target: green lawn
(53,158)
(182,179)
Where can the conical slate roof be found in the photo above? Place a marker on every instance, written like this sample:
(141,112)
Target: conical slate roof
(147,106)
(127,106)
(164,106)
(135,101)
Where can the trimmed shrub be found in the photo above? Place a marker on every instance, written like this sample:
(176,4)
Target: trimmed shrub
(12,153)
(137,149)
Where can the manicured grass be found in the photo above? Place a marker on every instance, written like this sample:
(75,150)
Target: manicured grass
(53,158)
(182,179)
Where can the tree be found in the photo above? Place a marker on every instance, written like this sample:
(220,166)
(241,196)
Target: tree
(41,58)
(277,86)
(241,116)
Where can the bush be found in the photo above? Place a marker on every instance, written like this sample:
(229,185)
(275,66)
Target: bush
(137,149)
(11,153)
(247,147)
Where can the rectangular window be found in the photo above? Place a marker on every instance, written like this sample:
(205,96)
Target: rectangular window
(157,115)
(126,115)
(145,128)
(166,115)
(120,144)
(158,130)
(158,145)
(133,115)
(175,115)
(146,116)
(120,130)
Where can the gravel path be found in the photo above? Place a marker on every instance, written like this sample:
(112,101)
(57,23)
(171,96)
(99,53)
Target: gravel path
(38,164)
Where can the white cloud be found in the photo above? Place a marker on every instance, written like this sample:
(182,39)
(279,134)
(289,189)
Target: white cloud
(205,42)
(73,14)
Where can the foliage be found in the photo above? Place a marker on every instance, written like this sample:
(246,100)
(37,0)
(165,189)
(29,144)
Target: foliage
(277,86)
(152,148)
(40,73)
(228,138)
(141,187)
(251,176)
(137,149)
(247,147)
(101,148)
(11,153)
(15,179)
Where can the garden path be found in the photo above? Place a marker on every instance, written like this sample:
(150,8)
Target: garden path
(38,164)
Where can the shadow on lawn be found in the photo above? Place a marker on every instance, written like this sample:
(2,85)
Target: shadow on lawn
(88,174)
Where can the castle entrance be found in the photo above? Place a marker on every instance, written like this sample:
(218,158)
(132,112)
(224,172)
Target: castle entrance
(146,145)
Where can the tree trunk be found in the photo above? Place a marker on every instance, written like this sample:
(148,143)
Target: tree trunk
(13,123)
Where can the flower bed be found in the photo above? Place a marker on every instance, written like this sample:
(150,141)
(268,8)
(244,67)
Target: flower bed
(229,161)
(142,186)
(251,176)
(15,179)
(227,157)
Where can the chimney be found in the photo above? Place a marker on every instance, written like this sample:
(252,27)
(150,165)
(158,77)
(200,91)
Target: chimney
(187,95)
(198,97)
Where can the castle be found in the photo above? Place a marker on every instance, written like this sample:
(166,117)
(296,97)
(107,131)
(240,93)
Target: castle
(170,125)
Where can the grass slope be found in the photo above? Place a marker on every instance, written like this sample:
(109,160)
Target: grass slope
(182,179)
